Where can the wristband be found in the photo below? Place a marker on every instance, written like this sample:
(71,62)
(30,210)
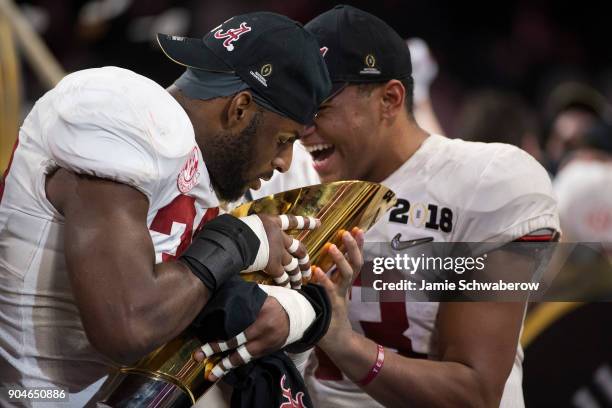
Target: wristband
(233,307)
(375,370)
(223,248)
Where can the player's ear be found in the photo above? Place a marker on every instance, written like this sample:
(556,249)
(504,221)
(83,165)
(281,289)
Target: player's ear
(239,110)
(392,98)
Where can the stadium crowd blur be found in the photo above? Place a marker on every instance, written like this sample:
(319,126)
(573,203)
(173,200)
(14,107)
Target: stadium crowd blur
(534,74)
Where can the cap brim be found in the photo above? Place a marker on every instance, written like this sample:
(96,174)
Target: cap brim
(337,87)
(191,52)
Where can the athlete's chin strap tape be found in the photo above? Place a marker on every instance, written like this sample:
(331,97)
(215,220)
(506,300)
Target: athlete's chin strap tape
(223,248)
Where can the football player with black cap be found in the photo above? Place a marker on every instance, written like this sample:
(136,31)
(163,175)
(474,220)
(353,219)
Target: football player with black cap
(417,353)
(110,243)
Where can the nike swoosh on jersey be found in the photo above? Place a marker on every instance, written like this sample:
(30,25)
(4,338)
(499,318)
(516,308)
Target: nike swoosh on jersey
(401,245)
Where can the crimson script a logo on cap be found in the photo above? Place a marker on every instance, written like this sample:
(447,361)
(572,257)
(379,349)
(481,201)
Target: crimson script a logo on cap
(232,35)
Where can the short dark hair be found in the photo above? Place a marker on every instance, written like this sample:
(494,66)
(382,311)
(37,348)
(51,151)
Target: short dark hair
(366,88)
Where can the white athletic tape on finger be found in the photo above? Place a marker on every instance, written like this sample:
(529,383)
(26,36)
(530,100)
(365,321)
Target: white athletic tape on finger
(304,260)
(224,345)
(207,350)
(218,371)
(295,244)
(227,363)
(295,278)
(244,353)
(300,311)
(312,223)
(263,253)
(241,339)
(300,222)
(291,266)
(284,222)
(306,274)
(282,278)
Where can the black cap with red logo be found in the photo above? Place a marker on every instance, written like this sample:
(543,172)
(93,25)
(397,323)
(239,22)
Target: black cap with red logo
(359,47)
(278,59)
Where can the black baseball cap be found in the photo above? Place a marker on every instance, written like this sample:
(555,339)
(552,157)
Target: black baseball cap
(359,47)
(278,59)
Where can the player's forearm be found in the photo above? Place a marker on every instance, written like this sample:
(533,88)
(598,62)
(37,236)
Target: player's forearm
(410,382)
(149,313)
(174,298)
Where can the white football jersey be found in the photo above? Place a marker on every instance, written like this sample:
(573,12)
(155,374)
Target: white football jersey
(109,123)
(453,191)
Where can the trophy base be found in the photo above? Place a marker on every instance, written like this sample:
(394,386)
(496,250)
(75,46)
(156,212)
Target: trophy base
(135,390)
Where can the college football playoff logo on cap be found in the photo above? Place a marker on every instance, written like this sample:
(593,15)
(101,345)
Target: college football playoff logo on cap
(188,176)
(370,66)
(266,70)
(232,35)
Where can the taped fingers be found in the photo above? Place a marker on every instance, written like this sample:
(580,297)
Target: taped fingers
(305,268)
(295,275)
(244,354)
(298,250)
(282,280)
(289,222)
(222,368)
(295,245)
(284,219)
(215,347)
(304,265)
(304,262)
(291,266)
(240,357)
(313,222)
(296,280)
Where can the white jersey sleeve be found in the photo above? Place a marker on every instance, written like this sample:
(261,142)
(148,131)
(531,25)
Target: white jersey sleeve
(512,197)
(110,123)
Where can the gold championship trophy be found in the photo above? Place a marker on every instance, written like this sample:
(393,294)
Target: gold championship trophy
(169,376)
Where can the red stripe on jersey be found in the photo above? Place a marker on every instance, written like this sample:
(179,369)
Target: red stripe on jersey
(536,238)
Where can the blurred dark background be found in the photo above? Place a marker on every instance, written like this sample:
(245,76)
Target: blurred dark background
(523,46)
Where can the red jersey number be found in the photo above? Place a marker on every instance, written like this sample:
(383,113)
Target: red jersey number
(181,211)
